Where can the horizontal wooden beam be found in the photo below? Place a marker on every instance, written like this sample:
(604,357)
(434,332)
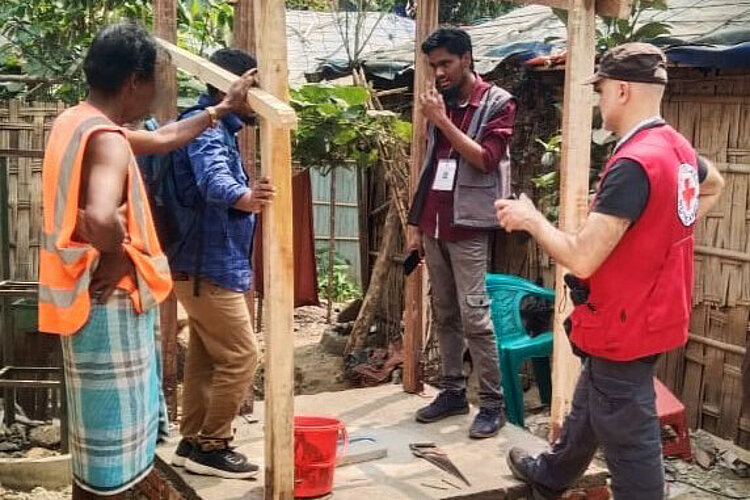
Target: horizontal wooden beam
(278,113)
(609,8)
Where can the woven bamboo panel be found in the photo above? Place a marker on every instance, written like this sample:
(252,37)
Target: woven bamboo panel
(23,131)
(713,112)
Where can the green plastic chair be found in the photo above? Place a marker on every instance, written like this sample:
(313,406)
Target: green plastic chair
(513,342)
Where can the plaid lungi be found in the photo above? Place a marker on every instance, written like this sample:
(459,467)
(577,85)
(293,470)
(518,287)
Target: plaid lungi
(115,401)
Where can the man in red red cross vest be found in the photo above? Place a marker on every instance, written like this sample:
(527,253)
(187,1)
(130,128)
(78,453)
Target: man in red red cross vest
(631,281)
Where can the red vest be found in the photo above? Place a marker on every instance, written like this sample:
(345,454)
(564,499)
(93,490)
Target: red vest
(640,297)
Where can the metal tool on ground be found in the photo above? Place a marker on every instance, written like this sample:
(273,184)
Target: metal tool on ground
(433,454)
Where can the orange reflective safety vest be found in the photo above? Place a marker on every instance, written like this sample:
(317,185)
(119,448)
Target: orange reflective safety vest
(66,265)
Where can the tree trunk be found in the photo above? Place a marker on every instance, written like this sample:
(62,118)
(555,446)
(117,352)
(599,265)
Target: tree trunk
(375,290)
(331,242)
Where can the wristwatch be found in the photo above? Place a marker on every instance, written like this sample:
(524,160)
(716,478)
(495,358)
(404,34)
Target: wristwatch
(212,115)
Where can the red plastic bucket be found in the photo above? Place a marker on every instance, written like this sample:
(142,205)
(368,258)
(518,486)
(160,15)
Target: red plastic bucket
(318,443)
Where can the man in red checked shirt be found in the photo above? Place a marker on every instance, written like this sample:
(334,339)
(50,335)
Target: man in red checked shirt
(466,168)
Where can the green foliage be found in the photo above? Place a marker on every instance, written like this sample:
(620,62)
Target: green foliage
(619,31)
(335,128)
(343,286)
(472,11)
(547,192)
(48,38)
(317,5)
(204,25)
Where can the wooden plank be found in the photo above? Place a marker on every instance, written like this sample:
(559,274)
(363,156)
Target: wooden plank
(609,8)
(269,107)
(278,266)
(244,39)
(165,27)
(574,186)
(427,21)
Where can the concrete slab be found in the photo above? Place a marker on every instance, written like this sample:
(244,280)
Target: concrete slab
(387,413)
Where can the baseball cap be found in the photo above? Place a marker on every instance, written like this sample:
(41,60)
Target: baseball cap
(632,62)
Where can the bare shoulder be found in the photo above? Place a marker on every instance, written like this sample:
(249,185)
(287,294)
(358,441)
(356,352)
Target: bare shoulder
(108,147)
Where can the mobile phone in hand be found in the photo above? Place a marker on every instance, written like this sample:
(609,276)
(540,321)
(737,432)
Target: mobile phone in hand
(411,262)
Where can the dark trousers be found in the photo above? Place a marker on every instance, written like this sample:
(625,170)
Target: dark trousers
(613,407)
(461,310)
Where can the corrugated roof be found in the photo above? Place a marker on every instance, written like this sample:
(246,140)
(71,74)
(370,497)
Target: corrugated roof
(691,21)
(313,37)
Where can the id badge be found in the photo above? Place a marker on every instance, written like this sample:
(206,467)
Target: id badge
(445,175)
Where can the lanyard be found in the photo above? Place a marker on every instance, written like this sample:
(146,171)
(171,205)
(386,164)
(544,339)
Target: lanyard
(461,127)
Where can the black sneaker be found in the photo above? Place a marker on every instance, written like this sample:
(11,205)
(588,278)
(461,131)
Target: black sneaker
(225,463)
(487,423)
(521,464)
(184,449)
(446,404)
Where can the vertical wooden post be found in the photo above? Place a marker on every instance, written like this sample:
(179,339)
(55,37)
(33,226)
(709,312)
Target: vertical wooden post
(574,186)
(278,266)
(165,27)
(427,21)
(244,39)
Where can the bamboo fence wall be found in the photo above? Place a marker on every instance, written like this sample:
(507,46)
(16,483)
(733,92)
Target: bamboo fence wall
(23,130)
(713,111)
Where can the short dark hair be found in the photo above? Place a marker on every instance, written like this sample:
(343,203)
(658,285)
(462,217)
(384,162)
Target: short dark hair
(455,40)
(234,60)
(118,52)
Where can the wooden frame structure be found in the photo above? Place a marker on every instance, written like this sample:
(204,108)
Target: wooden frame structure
(574,173)
(277,119)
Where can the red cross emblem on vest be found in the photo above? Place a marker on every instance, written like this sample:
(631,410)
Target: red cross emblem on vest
(687,194)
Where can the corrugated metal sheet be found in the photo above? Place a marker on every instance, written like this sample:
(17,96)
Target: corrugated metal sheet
(347,215)
(690,21)
(313,37)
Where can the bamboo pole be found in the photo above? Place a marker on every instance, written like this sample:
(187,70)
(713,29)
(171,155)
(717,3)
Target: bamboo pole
(278,266)
(574,186)
(427,21)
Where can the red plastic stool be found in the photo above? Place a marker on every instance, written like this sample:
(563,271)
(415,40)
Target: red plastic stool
(671,413)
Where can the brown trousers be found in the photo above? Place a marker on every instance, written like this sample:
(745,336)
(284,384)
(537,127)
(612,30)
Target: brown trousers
(222,357)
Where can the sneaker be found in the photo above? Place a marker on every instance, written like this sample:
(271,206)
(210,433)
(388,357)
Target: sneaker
(446,404)
(521,465)
(487,423)
(184,449)
(225,463)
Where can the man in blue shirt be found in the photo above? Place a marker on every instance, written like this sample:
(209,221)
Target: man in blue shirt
(211,272)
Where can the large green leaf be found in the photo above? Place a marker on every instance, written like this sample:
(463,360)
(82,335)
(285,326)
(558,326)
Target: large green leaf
(353,96)
(649,31)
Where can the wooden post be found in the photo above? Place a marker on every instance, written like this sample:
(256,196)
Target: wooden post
(165,27)
(574,186)
(244,39)
(427,21)
(276,163)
